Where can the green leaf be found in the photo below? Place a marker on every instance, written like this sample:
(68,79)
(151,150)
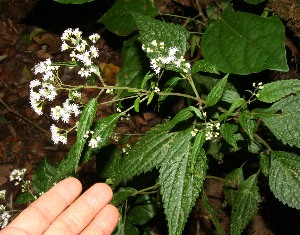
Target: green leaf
(227,131)
(150,98)
(73,1)
(240,102)
(283,120)
(102,128)
(133,67)
(121,195)
(213,215)
(284,177)
(70,163)
(254,2)
(172,35)
(232,182)
(136,104)
(274,91)
(265,163)
(118,18)
(247,123)
(153,147)
(216,93)
(244,43)
(24,198)
(144,209)
(245,205)
(203,66)
(42,177)
(179,185)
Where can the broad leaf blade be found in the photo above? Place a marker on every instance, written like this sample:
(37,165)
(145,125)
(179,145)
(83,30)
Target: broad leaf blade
(180,185)
(227,131)
(274,91)
(284,177)
(232,182)
(118,18)
(153,147)
(247,123)
(216,93)
(283,120)
(245,205)
(243,43)
(133,70)
(172,35)
(203,66)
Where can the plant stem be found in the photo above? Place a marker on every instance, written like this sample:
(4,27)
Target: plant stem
(214,177)
(261,140)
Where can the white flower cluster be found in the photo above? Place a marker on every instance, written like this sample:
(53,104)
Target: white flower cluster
(45,89)
(17,175)
(212,130)
(162,57)
(94,141)
(4,218)
(58,134)
(259,86)
(82,52)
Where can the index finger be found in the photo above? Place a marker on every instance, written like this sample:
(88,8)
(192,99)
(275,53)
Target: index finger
(41,213)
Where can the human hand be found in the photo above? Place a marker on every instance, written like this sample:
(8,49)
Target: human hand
(58,212)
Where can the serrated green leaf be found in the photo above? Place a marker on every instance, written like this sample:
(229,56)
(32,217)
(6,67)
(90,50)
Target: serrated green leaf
(245,205)
(144,209)
(244,43)
(232,182)
(133,67)
(264,163)
(103,129)
(195,39)
(240,102)
(227,131)
(25,198)
(283,120)
(172,35)
(118,18)
(247,123)
(121,195)
(284,177)
(70,163)
(73,1)
(42,177)
(179,185)
(203,66)
(213,215)
(230,96)
(147,77)
(153,147)
(216,93)
(274,91)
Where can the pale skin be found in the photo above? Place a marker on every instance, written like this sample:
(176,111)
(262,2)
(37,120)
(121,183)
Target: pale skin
(61,211)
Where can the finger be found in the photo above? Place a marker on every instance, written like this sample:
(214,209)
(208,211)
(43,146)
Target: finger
(75,218)
(41,213)
(104,223)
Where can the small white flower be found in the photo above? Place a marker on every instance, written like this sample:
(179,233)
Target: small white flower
(17,175)
(94,37)
(4,219)
(56,136)
(34,83)
(2,195)
(93,143)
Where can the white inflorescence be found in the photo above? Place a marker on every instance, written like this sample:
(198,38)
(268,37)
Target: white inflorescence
(161,57)
(46,89)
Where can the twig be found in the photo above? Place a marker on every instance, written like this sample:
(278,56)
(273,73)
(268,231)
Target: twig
(22,117)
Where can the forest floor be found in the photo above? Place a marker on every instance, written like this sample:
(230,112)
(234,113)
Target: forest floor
(25,137)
